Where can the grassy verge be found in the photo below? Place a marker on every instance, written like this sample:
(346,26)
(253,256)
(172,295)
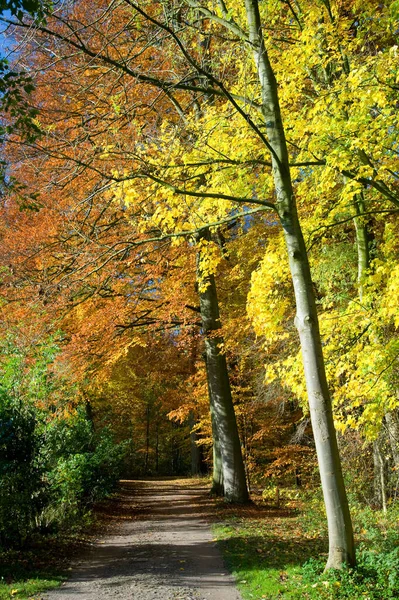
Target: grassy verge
(44,563)
(29,572)
(280,554)
(266,554)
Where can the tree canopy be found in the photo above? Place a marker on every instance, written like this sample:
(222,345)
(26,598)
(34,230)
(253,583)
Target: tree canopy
(204,208)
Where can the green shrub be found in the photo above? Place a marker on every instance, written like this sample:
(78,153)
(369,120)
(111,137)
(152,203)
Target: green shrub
(52,463)
(79,479)
(375,577)
(21,486)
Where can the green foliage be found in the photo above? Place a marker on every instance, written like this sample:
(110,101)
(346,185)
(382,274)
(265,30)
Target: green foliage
(21,489)
(394,8)
(15,87)
(84,473)
(273,557)
(376,576)
(17,8)
(334,272)
(277,495)
(52,462)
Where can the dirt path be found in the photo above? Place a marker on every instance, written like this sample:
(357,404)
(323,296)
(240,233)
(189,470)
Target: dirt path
(160,548)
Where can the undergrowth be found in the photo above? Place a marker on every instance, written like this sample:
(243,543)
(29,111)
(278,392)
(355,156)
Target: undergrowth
(43,562)
(281,553)
(26,573)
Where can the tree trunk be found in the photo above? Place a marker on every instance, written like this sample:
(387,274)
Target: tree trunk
(341,545)
(157,448)
(147,438)
(224,424)
(379,476)
(391,419)
(362,244)
(363,261)
(196,454)
(392,425)
(217,471)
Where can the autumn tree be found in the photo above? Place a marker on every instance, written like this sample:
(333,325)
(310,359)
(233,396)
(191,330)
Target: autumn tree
(339,522)
(222,147)
(55,150)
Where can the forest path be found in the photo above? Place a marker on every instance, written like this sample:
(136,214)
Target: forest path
(158,547)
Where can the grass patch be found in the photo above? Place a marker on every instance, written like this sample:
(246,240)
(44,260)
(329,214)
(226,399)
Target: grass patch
(29,572)
(266,554)
(280,554)
(26,587)
(44,563)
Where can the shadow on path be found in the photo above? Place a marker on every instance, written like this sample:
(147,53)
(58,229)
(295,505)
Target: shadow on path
(160,547)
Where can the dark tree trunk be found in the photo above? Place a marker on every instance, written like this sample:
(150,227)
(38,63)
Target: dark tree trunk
(147,438)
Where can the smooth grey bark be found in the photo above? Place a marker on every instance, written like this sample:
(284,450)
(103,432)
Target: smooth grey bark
(217,471)
(224,423)
(392,423)
(196,454)
(341,544)
(362,244)
(363,266)
(379,476)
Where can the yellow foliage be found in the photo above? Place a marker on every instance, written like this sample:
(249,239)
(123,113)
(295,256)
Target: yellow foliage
(268,301)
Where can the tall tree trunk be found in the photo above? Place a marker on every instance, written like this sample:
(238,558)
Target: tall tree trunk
(217,471)
(198,466)
(363,262)
(224,424)
(362,244)
(341,545)
(157,447)
(196,454)
(147,438)
(392,422)
(379,476)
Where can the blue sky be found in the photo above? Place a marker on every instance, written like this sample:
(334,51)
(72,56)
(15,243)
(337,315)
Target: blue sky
(4,41)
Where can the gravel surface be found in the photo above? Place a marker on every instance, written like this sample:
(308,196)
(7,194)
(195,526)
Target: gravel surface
(159,547)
